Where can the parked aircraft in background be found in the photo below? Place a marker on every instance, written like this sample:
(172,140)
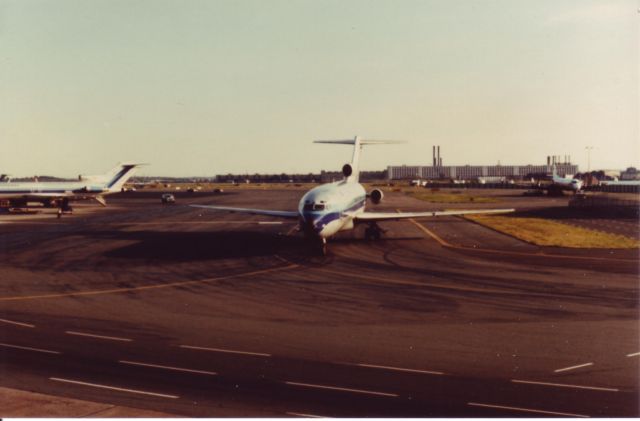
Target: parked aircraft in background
(566,183)
(59,194)
(329,208)
(620,183)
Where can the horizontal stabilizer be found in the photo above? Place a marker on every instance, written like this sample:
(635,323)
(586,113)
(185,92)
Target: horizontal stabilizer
(354,170)
(361,142)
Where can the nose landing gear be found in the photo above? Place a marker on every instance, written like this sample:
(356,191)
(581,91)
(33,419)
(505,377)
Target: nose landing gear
(319,245)
(323,246)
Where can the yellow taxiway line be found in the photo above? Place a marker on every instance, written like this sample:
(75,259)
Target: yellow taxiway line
(446,244)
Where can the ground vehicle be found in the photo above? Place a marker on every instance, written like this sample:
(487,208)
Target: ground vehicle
(168,198)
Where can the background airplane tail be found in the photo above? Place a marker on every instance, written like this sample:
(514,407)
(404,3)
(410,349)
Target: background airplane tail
(115,179)
(352,171)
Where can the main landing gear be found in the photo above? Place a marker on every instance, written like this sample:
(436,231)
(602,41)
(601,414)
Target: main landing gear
(64,207)
(373,232)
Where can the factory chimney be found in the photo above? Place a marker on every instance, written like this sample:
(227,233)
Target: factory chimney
(439,162)
(548,160)
(434,155)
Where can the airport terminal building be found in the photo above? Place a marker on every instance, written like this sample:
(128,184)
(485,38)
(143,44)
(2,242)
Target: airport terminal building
(468,172)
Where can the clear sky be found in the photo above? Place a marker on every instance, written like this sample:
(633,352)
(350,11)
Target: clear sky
(214,86)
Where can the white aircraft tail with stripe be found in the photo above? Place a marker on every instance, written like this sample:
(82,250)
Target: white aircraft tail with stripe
(351,171)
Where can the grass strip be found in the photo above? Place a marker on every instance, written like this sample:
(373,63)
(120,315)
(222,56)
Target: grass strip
(545,232)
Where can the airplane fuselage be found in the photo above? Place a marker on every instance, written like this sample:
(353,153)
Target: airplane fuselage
(12,190)
(329,208)
(568,183)
(60,193)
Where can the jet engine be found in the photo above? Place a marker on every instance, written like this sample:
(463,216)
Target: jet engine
(376,196)
(347,170)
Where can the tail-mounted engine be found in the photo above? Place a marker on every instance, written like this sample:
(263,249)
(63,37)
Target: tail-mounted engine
(347,170)
(376,196)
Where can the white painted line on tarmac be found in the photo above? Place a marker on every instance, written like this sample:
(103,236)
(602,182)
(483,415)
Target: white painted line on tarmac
(11,322)
(119,389)
(26,348)
(533,411)
(270,223)
(408,370)
(573,367)
(342,389)
(572,386)
(165,367)
(227,351)
(298,414)
(635,354)
(90,335)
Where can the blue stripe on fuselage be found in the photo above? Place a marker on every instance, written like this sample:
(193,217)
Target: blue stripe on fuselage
(321,220)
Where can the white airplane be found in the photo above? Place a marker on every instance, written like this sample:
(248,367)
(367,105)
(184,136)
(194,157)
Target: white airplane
(58,194)
(566,183)
(327,209)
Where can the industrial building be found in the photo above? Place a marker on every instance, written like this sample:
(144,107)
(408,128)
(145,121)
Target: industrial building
(473,172)
(630,174)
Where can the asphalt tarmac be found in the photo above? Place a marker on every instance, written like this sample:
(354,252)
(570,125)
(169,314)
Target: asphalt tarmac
(197,313)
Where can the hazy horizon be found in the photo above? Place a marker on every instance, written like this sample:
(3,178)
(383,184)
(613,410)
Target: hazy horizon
(199,88)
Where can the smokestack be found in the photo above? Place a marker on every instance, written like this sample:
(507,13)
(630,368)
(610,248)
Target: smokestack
(548,160)
(439,155)
(434,155)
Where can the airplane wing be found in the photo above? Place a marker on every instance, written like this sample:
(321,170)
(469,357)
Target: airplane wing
(276,213)
(386,216)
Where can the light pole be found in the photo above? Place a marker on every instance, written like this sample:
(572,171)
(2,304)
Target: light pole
(589,148)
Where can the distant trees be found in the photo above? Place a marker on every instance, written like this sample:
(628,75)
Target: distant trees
(297,178)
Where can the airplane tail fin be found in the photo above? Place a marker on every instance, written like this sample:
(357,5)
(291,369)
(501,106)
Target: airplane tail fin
(115,179)
(352,171)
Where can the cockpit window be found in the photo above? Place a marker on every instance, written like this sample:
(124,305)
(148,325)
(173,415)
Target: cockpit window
(313,207)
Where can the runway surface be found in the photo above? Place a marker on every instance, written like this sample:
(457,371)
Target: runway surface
(196,313)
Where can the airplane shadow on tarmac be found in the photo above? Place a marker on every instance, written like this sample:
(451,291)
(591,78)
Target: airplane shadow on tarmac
(194,246)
